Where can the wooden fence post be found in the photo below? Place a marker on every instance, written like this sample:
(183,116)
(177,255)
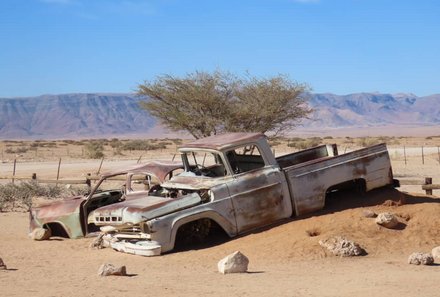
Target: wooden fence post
(89,182)
(13,171)
(58,172)
(438,154)
(404,153)
(423,156)
(428,181)
(100,165)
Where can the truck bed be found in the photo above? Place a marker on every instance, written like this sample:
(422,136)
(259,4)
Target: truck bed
(310,180)
(308,155)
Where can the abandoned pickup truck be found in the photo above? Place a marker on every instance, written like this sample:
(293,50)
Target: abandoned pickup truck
(233,181)
(68,217)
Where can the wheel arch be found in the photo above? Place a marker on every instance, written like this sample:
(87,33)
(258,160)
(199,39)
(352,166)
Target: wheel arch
(58,229)
(213,216)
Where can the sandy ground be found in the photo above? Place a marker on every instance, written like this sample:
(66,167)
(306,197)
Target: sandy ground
(284,259)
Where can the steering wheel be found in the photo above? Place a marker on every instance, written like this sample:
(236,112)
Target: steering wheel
(201,169)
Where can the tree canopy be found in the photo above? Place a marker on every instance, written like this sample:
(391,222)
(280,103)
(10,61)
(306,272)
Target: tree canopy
(204,103)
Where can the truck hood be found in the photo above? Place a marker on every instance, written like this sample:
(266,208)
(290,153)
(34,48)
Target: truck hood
(136,210)
(194,182)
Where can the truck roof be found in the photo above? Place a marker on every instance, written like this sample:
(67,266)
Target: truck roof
(223,141)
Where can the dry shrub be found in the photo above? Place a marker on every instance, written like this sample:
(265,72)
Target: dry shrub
(367,141)
(94,150)
(305,143)
(19,195)
(143,145)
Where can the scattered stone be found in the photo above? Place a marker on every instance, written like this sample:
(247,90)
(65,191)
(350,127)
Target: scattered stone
(387,220)
(341,246)
(98,242)
(107,240)
(368,213)
(41,234)
(420,258)
(234,263)
(392,203)
(436,252)
(2,265)
(109,269)
(313,232)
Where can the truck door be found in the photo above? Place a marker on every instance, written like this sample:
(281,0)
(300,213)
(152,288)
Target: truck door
(258,191)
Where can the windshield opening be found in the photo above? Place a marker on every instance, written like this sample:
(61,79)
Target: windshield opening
(202,163)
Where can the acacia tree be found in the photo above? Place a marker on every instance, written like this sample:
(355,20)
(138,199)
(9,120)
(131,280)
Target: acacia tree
(204,104)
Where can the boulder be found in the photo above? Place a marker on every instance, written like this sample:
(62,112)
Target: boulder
(368,213)
(109,269)
(234,263)
(436,253)
(341,246)
(420,258)
(41,234)
(387,220)
(2,265)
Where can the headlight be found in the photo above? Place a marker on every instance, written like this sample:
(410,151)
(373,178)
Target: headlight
(145,227)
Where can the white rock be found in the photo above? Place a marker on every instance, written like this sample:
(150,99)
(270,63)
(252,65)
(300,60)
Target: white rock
(110,269)
(341,246)
(368,213)
(420,258)
(41,234)
(98,242)
(436,252)
(234,263)
(387,220)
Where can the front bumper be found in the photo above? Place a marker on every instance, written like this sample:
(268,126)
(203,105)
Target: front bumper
(145,248)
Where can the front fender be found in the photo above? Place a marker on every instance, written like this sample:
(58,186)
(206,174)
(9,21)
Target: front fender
(164,229)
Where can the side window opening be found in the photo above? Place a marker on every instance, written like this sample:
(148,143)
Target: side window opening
(246,158)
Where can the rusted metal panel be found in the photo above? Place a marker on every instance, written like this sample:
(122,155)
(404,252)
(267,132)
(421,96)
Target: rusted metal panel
(195,182)
(65,212)
(259,198)
(135,211)
(158,169)
(309,183)
(224,141)
(59,207)
(70,211)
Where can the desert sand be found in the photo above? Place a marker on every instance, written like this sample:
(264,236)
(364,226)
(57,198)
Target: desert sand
(285,260)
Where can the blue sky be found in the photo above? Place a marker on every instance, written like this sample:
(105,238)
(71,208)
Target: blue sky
(336,46)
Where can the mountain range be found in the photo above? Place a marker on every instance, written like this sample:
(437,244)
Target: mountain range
(106,115)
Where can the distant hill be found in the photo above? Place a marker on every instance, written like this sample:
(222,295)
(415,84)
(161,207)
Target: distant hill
(371,109)
(106,115)
(73,115)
